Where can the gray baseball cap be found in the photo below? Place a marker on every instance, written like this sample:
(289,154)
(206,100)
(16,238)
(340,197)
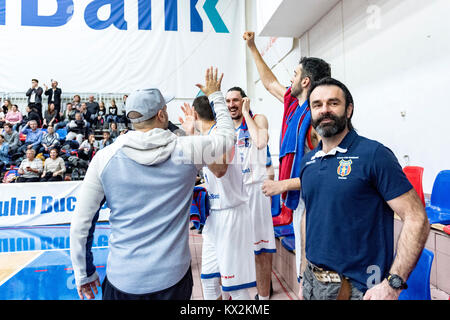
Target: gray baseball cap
(147,102)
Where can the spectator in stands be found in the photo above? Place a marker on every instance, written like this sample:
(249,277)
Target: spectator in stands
(54,96)
(76,104)
(34,137)
(92,106)
(14,116)
(7,106)
(86,114)
(50,140)
(11,137)
(50,116)
(113,131)
(112,112)
(106,141)
(34,95)
(66,116)
(54,167)
(32,114)
(2,118)
(77,129)
(4,156)
(99,120)
(30,169)
(123,118)
(88,148)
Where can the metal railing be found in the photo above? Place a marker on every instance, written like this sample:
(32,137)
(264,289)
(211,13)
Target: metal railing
(21,100)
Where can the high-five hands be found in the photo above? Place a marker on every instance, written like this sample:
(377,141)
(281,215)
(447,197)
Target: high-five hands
(213,83)
(190,116)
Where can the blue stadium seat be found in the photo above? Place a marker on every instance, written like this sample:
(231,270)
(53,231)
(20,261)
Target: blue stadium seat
(283,231)
(276,205)
(419,280)
(439,209)
(289,243)
(62,134)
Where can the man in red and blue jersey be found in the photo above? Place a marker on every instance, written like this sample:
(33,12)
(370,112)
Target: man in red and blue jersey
(297,135)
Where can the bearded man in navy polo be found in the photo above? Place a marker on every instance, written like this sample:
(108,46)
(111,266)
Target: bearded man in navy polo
(351,187)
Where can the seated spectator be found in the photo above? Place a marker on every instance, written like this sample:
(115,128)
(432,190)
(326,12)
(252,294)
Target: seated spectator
(2,118)
(34,137)
(50,140)
(112,112)
(77,129)
(86,114)
(54,167)
(99,120)
(11,137)
(7,106)
(88,148)
(106,141)
(31,168)
(92,106)
(50,116)
(4,156)
(66,116)
(14,117)
(113,131)
(32,114)
(76,104)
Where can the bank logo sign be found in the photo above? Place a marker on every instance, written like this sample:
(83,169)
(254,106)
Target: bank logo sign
(65,10)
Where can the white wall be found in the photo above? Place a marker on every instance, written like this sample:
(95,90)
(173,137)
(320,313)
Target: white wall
(394,55)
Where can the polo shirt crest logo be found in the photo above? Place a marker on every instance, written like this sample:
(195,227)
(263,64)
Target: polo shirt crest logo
(345,168)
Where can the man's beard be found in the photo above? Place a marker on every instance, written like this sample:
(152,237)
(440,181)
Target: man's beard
(329,130)
(296,91)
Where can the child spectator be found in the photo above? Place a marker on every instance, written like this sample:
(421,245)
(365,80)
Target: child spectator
(106,141)
(112,112)
(88,148)
(113,131)
(99,121)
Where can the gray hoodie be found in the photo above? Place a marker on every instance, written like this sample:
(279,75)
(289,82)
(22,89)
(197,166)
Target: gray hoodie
(147,180)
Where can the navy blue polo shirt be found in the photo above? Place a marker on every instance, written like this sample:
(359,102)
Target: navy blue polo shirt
(349,225)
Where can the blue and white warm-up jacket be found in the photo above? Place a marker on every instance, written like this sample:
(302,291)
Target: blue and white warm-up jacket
(147,180)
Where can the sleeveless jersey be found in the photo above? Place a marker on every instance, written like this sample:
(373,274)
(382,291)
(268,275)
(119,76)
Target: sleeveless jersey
(253,160)
(228,191)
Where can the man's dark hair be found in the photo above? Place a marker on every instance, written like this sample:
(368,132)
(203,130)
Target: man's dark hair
(242,92)
(333,82)
(315,68)
(203,108)
(35,80)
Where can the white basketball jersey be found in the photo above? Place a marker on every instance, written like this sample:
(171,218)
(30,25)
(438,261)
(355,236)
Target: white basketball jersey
(228,191)
(253,160)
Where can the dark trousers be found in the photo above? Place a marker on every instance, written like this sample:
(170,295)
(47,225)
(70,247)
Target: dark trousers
(49,177)
(22,179)
(180,291)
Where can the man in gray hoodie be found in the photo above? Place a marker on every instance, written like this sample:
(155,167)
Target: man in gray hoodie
(147,178)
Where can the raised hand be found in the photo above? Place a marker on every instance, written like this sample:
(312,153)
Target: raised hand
(249,37)
(213,83)
(188,123)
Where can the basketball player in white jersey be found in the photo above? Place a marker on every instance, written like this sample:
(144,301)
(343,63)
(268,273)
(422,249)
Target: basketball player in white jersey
(252,139)
(228,265)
